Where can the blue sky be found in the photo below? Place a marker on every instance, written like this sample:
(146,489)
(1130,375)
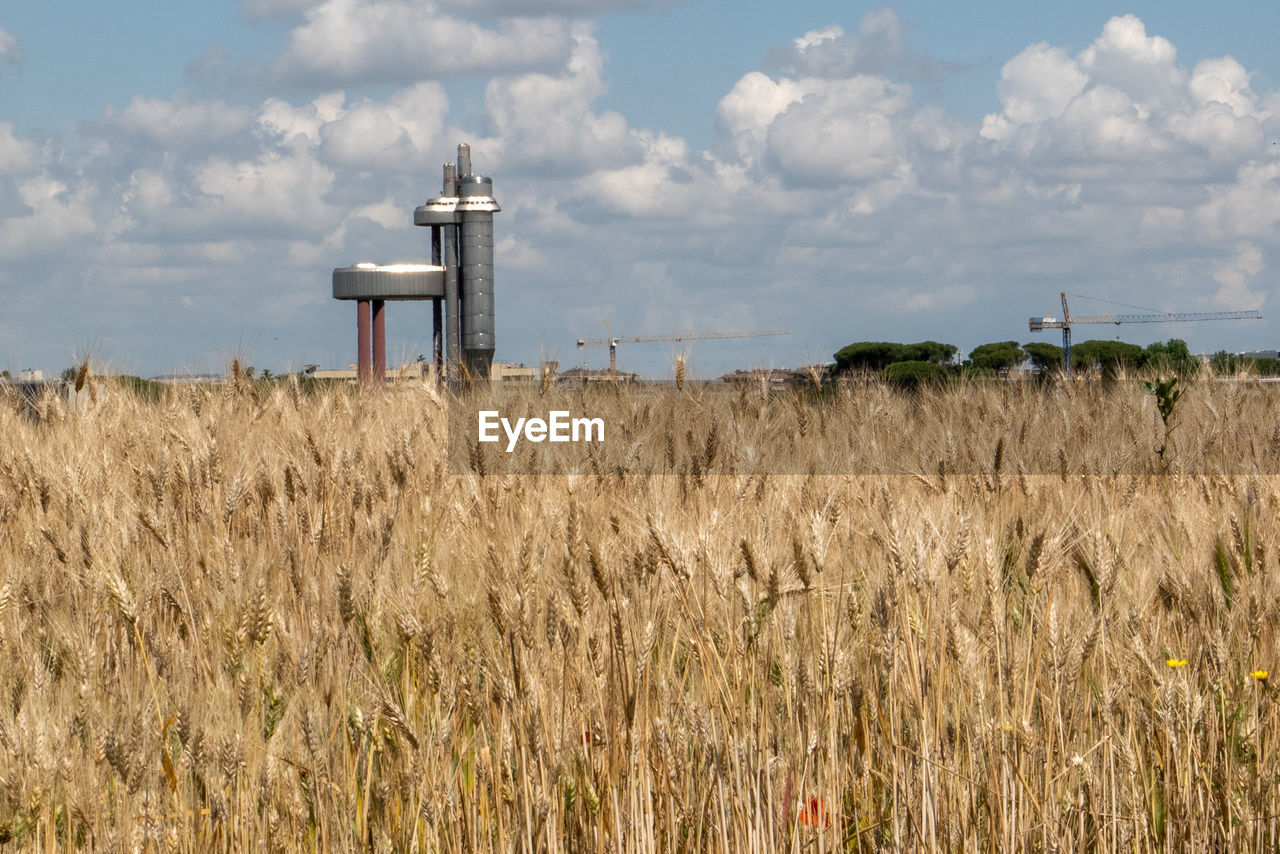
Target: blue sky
(178,180)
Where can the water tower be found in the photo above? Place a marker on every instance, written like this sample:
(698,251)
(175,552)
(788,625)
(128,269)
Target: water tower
(460,276)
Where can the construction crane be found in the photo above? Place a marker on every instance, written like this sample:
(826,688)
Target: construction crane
(1067,321)
(613,341)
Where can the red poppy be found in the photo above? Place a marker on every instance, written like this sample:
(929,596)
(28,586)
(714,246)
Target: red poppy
(814,813)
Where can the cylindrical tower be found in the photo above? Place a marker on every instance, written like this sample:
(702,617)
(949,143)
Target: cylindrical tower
(476,207)
(379,341)
(364,367)
(463,218)
(449,251)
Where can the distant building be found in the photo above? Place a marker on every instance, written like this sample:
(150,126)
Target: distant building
(30,375)
(415,371)
(188,379)
(512,372)
(779,379)
(586,376)
(498,372)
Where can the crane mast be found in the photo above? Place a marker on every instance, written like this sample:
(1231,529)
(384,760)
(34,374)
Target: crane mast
(1067,321)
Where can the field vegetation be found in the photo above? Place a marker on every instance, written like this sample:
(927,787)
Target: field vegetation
(263,617)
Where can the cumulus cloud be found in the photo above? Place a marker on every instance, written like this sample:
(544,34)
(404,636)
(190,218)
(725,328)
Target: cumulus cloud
(280,189)
(55,215)
(399,134)
(1035,85)
(16,155)
(353,41)
(1142,66)
(548,119)
(1234,278)
(1124,101)
(300,125)
(10,49)
(847,131)
(881,45)
(178,122)
(747,111)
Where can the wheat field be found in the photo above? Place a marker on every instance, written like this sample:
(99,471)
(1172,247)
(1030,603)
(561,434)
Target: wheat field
(267,617)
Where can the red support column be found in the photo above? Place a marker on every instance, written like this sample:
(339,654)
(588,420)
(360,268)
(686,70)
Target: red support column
(379,342)
(362,341)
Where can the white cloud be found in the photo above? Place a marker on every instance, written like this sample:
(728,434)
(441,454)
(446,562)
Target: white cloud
(16,155)
(398,40)
(285,190)
(1103,123)
(1223,81)
(750,107)
(910,301)
(282,120)
(1035,85)
(1124,101)
(148,194)
(1143,67)
(1234,278)
(179,122)
(10,49)
(548,120)
(846,131)
(402,133)
(1248,207)
(881,45)
(57,215)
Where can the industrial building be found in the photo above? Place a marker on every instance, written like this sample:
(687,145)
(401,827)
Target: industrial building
(458,281)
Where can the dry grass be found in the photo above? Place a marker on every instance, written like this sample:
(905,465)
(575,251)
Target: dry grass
(252,617)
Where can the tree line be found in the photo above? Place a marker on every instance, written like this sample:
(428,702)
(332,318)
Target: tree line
(924,360)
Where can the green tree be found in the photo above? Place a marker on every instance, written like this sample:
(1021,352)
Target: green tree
(868,355)
(1266,367)
(929,351)
(913,373)
(1044,356)
(1106,356)
(1223,362)
(998,357)
(1173,354)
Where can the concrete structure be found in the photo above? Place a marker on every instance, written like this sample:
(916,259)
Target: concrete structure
(371,286)
(499,372)
(415,371)
(504,372)
(780,379)
(461,223)
(458,281)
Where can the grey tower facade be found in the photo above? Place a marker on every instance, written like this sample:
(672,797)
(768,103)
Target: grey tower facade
(461,223)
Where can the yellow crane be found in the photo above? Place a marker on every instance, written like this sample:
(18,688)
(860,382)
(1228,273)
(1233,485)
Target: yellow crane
(612,341)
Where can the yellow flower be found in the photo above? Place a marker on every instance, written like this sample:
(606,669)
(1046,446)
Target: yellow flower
(1260,675)
(1175,663)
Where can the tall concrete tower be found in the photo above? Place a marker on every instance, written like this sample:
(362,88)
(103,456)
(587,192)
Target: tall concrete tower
(461,222)
(458,281)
